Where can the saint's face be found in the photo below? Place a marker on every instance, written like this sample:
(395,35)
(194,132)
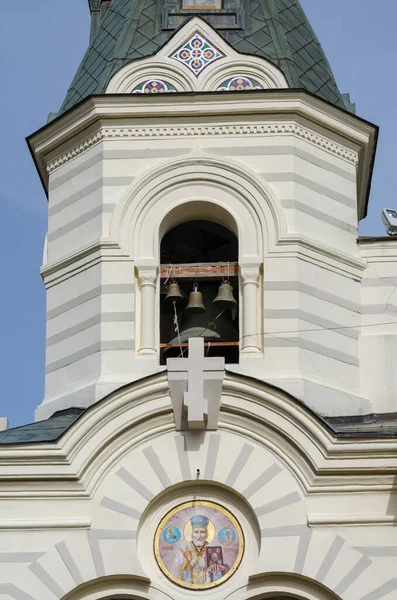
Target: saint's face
(199,536)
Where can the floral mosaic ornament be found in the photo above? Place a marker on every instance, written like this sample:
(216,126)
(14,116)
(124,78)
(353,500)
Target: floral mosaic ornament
(241,83)
(197,54)
(154,86)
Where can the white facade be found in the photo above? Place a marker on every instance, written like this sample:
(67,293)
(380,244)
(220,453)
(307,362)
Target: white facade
(286,171)
(78,516)
(289,175)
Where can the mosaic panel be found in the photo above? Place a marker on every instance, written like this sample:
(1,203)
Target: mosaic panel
(240,83)
(202,4)
(197,54)
(199,544)
(154,86)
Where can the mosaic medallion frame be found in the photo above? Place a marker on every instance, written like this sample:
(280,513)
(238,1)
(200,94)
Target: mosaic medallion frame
(184,544)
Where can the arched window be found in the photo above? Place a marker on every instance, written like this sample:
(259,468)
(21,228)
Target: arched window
(199,294)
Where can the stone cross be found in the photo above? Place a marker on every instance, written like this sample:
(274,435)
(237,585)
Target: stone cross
(196,387)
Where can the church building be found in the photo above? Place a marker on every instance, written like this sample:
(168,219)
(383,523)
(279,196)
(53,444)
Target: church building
(220,413)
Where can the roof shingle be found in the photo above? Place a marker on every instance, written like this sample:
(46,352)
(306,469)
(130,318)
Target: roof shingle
(276,30)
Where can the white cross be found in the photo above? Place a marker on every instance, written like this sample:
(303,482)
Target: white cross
(200,373)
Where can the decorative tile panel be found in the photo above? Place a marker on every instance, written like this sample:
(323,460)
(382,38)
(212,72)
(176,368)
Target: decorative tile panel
(197,54)
(239,83)
(202,4)
(154,86)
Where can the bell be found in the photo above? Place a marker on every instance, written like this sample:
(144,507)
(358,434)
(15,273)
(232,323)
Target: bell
(174,293)
(210,325)
(225,298)
(195,305)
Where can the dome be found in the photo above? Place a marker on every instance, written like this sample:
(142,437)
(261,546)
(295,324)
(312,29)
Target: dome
(276,30)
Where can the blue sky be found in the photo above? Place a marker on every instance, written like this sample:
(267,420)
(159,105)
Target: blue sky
(41,45)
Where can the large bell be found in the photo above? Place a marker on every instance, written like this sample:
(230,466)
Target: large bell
(174,293)
(211,325)
(225,298)
(196,304)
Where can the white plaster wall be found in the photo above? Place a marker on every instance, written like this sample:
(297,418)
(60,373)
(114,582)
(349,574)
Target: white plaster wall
(378,343)
(259,464)
(93,344)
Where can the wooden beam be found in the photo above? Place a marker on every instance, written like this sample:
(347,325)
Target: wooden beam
(211,344)
(199,270)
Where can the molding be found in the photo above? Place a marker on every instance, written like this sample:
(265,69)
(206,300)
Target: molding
(355,520)
(319,254)
(132,133)
(85,257)
(251,409)
(285,585)
(38,524)
(341,133)
(88,143)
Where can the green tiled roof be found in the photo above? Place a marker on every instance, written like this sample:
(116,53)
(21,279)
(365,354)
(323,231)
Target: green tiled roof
(276,30)
(42,431)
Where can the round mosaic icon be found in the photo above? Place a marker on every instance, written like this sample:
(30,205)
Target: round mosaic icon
(199,544)
(154,86)
(240,83)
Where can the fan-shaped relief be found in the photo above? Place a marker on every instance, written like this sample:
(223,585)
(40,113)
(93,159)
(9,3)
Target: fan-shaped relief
(239,83)
(154,86)
(197,53)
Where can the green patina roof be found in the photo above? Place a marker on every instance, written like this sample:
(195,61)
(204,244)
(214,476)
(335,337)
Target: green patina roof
(49,430)
(276,30)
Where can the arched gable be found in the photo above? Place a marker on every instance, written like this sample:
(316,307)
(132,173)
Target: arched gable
(124,464)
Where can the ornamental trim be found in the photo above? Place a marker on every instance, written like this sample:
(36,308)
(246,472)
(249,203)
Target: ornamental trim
(197,53)
(154,86)
(131,133)
(239,83)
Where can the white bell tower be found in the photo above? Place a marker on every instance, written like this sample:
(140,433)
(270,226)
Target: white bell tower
(197,132)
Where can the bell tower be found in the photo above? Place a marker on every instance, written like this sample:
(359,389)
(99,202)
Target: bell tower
(204,180)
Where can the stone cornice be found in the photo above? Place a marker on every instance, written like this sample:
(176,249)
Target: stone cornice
(284,112)
(133,133)
(104,250)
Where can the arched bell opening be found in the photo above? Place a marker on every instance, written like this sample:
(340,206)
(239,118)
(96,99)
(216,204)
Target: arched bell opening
(199,295)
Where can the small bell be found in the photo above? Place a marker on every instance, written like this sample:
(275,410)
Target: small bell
(174,293)
(225,298)
(195,305)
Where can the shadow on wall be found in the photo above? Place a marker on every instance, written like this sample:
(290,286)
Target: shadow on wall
(391,510)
